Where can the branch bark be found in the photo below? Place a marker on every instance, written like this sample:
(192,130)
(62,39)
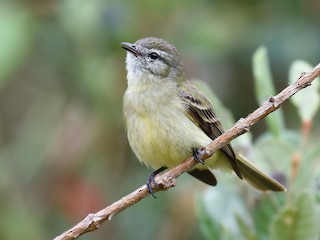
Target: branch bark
(167,179)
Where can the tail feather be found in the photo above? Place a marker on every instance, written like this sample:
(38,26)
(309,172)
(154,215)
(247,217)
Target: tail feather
(257,178)
(205,176)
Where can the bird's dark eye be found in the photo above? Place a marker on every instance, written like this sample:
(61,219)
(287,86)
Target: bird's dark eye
(154,55)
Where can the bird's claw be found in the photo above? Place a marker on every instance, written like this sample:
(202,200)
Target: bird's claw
(151,180)
(197,155)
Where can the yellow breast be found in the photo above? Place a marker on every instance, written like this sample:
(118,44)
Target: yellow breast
(164,140)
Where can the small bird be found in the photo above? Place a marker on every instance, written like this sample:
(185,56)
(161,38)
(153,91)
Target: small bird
(168,119)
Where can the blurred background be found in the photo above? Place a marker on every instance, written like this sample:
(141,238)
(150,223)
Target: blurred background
(63,146)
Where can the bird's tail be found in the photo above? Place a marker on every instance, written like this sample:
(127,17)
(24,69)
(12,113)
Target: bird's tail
(257,178)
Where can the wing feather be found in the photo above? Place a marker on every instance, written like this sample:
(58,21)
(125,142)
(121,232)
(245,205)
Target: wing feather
(201,113)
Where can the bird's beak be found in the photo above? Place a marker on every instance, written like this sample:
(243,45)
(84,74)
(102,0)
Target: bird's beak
(131,48)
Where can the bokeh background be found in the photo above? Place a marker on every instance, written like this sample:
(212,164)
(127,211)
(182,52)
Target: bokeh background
(63,146)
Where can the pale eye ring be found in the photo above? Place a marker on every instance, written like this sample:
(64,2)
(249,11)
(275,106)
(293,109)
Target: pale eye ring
(154,55)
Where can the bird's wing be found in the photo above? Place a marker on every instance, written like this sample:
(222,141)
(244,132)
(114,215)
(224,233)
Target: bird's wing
(200,111)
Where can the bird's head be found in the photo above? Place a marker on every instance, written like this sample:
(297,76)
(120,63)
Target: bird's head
(154,59)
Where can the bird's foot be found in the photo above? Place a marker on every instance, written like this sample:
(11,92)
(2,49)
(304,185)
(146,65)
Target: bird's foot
(151,180)
(198,153)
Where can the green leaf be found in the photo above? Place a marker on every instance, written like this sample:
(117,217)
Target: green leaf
(207,224)
(264,211)
(297,220)
(264,88)
(230,209)
(246,230)
(308,167)
(274,154)
(308,100)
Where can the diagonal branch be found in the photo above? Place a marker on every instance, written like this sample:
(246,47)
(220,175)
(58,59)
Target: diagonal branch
(167,179)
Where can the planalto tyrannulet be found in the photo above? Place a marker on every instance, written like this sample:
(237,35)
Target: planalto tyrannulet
(168,119)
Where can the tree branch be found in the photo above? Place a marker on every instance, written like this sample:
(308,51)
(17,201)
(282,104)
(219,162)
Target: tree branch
(167,179)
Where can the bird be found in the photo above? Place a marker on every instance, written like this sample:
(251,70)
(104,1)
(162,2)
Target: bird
(168,119)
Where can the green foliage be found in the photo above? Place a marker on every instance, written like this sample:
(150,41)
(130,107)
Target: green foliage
(208,226)
(290,156)
(296,220)
(264,88)
(63,146)
(308,101)
(16,28)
